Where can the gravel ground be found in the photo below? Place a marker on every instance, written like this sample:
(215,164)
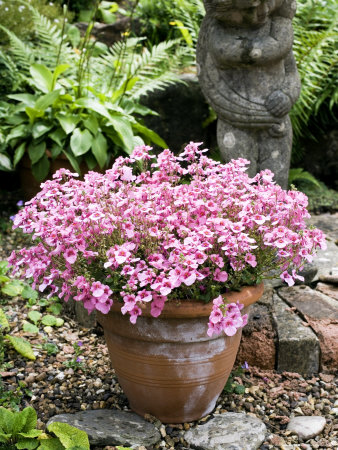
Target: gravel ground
(52,387)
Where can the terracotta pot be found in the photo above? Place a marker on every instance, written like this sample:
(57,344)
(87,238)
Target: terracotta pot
(168,366)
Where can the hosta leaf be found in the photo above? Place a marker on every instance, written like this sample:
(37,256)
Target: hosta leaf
(124,131)
(42,77)
(21,346)
(73,162)
(99,149)
(41,168)
(68,122)
(36,151)
(19,152)
(81,141)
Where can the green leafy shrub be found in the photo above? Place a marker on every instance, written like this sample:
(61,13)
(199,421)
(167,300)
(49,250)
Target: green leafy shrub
(83,103)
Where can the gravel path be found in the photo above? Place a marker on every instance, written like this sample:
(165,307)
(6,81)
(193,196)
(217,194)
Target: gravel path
(53,387)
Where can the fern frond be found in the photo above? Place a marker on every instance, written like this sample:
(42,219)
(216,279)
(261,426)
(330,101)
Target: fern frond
(23,55)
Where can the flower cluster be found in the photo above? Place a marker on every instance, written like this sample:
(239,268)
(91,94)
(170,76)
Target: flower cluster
(154,229)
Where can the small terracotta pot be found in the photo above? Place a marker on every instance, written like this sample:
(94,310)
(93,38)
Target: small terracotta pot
(168,366)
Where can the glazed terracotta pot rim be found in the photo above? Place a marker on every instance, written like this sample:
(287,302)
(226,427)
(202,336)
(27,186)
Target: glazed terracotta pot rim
(185,308)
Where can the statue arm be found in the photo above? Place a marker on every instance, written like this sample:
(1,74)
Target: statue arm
(280,102)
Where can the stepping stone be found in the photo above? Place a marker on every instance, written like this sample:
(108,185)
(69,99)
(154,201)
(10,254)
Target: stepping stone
(321,313)
(228,431)
(307,427)
(111,427)
(298,347)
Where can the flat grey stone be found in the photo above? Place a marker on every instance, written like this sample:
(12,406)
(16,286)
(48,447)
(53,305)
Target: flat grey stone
(228,431)
(298,347)
(111,427)
(307,427)
(310,303)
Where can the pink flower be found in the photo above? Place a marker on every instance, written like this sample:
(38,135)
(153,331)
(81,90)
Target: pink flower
(287,278)
(220,275)
(251,259)
(70,255)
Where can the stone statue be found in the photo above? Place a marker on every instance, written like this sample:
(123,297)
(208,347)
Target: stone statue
(248,74)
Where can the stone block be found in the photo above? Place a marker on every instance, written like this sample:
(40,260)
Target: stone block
(228,431)
(330,290)
(309,302)
(112,427)
(298,347)
(321,313)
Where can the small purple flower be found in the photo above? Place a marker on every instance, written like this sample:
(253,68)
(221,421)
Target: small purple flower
(78,359)
(12,218)
(80,344)
(245,365)
(20,203)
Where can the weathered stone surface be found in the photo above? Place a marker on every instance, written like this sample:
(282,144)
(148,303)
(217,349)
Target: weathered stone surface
(327,223)
(267,296)
(249,76)
(229,431)
(307,427)
(110,427)
(309,302)
(330,290)
(294,339)
(258,339)
(321,313)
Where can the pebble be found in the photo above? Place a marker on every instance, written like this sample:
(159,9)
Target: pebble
(307,427)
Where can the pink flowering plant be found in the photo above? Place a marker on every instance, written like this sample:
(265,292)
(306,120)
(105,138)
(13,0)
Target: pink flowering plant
(152,229)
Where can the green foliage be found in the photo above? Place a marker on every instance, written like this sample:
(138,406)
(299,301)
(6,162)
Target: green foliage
(315,49)
(18,430)
(50,348)
(232,386)
(298,176)
(76,363)
(321,199)
(83,103)
(21,346)
(69,436)
(12,398)
(163,19)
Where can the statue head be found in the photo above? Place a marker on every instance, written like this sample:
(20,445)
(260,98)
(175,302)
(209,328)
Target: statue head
(242,13)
